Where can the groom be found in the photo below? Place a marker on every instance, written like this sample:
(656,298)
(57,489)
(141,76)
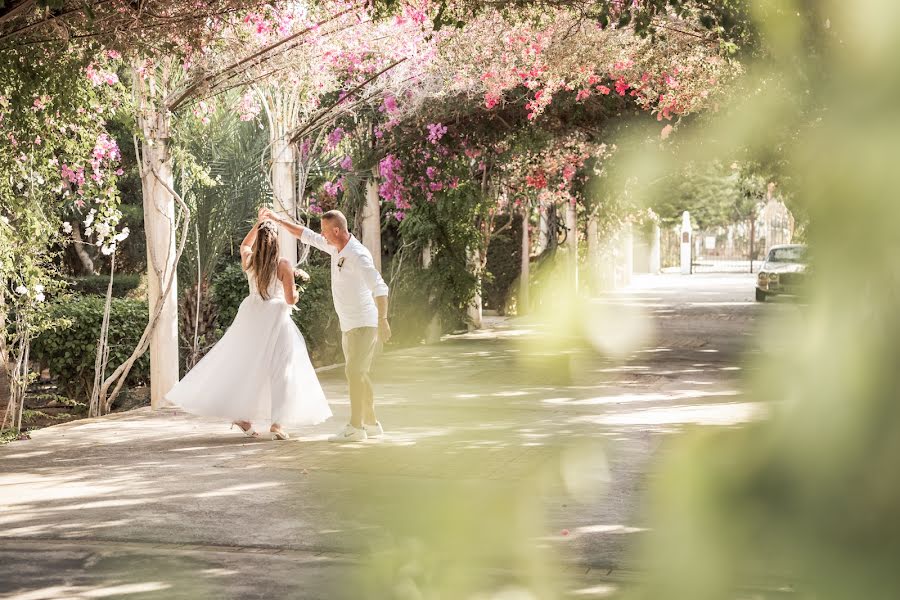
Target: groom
(361,302)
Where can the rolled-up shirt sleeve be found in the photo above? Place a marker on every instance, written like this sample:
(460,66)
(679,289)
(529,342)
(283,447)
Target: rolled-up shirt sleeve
(318,240)
(371,276)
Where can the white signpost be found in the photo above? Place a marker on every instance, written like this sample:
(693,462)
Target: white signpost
(686,243)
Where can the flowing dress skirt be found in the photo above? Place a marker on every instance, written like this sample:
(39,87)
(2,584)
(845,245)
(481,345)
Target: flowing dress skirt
(259,371)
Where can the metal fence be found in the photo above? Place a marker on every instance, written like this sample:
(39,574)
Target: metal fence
(738,247)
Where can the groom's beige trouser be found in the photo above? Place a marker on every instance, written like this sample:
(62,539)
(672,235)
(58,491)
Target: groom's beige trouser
(359,350)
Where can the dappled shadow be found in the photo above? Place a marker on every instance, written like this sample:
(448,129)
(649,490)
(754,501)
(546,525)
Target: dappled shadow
(568,430)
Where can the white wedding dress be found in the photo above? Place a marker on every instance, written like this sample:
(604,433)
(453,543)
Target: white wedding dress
(259,371)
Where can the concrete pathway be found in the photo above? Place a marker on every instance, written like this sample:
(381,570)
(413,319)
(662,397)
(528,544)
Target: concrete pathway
(514,463)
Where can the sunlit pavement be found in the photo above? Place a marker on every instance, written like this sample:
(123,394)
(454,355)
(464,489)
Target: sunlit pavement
(565,430)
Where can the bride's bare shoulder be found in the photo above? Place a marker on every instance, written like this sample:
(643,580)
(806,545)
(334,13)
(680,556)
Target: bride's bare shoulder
(284,267)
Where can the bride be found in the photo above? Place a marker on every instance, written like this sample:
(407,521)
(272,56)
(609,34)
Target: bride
(259,372)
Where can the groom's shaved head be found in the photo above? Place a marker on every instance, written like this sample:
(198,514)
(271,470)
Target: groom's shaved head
(335,218)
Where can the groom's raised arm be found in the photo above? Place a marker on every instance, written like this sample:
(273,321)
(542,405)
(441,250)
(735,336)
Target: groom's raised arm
(304,234)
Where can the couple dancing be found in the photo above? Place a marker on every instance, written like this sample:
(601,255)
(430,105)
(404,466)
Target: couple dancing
(259,373)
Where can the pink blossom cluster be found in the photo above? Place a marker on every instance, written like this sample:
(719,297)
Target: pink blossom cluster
(273,22)
(106,149)
(74,176)
(248,108)
(416,14)
(99,76)
(389,105)
(335,137)
(435,132)
(41,102)
(542,99)
(392,186)
(202,110)
(333,188)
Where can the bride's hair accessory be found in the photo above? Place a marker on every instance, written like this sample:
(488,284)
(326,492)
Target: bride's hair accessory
(268,226)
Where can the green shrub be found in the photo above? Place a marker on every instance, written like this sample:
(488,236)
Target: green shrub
(229,288)
(96,285)
(70,350)
(314,316)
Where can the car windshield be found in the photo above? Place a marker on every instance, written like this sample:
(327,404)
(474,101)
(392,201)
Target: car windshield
(791,254)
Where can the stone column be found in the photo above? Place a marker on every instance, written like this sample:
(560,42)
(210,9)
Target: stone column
(686,243)
(371,225)
(655,265)
(572,242)
(628,254)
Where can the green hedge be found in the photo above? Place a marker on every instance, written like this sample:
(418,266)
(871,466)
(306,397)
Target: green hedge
(96,285)
(70,350)
(229,288)
(314,316)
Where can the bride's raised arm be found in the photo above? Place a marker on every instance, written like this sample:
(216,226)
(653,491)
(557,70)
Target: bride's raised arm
(247,244)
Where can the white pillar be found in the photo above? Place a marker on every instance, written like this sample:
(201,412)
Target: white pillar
(284,190)
(593,243)
(159,228)
(544,238)
(685,243)
(628,254)
(474,310)
(433,329)
(371,225)
(655,265)
(525,270)
(572,241)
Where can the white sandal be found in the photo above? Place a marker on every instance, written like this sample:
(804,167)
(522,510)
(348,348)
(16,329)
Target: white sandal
(249,432)
(280,435)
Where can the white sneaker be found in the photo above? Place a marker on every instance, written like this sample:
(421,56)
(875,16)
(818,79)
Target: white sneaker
(373,430)
(349,434)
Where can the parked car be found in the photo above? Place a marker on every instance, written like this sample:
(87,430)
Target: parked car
(783,273)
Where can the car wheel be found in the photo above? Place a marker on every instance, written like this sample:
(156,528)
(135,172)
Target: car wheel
(760,295)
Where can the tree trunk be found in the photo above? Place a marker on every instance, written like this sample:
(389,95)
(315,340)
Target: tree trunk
(86,263)
(159,226)
(371,221)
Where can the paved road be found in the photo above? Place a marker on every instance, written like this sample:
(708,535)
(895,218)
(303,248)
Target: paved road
(516,459)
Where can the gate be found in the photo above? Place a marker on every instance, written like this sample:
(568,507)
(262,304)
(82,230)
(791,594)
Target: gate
(736,248)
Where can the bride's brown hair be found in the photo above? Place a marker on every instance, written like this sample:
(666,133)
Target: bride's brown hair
(264,259)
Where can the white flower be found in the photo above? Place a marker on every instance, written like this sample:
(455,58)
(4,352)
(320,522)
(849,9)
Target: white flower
(67,227)
(39,297)
(90,218)
(20,185)
(89,231)
(5,220)
(107,250)
(123,235)
(38,288)
(21,290)
(102,230)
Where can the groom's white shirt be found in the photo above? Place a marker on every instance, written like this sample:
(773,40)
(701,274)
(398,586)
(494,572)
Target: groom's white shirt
(355,282)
